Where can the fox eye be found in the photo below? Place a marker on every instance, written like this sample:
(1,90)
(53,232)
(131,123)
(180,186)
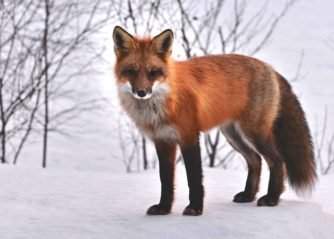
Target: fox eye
(154,73)
(129,72)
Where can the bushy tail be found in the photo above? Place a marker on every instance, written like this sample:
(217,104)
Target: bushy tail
(294,141)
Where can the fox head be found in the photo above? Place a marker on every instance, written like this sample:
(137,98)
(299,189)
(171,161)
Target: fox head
(141,64)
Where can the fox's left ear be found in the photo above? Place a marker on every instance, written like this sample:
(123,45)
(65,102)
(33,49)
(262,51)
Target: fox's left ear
(162,43)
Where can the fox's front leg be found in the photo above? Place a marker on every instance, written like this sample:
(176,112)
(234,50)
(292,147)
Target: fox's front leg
(192,159)
(166,154)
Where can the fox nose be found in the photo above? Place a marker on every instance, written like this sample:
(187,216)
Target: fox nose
(141,93)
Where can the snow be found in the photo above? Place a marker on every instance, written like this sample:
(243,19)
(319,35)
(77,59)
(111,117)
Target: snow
(56,203)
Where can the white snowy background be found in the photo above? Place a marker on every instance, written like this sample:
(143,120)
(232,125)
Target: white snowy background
(85,192)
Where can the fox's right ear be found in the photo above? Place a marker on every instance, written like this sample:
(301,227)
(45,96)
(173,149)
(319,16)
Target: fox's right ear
(123,41)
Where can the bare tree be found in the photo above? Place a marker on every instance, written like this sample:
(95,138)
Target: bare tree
(44,45)
(324,147)
(129,142)
(299,75)
(325,160)
(17,84)
(212,147)
(3,125)
(46,81)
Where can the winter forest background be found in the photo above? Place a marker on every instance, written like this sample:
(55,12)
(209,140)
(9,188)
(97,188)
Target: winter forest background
(59,107)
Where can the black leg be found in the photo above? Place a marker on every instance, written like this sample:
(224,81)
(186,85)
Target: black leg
(253,179)
(269,151)
(253,159)
(192,160)
(166,154)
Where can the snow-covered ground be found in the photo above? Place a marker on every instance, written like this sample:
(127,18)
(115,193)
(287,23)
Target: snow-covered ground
(57,204)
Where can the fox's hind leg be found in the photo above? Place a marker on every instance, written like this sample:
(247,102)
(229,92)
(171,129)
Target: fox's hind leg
(267,148)
(264,143)
(253,159)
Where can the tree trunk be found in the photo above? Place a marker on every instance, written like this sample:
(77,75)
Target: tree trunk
(46,85)
(3,126)
(144,153)
(212,148)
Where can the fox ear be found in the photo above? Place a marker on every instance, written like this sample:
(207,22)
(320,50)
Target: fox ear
(162,43)
(123,41)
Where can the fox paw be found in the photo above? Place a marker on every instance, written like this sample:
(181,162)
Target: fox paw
(158,210)
(268,201)
(192,211)
(243,197)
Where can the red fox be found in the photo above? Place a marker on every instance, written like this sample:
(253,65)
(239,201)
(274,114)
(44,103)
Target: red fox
(253,105)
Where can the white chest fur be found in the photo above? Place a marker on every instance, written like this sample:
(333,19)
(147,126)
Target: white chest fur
(166,132)
(150,112)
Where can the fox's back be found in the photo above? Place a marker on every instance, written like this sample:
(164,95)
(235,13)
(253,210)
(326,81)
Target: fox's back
(229,87)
